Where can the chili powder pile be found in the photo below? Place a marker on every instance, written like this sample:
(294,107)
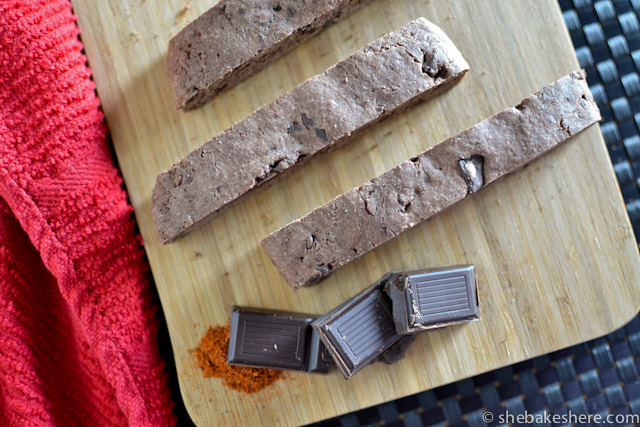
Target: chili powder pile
(211,356)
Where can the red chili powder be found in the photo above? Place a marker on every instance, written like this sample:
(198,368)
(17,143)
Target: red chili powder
(211,356)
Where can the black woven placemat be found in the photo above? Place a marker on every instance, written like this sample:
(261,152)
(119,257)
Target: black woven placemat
(599,377)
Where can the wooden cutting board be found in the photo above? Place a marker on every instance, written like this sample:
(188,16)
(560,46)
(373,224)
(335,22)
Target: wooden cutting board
(554,251)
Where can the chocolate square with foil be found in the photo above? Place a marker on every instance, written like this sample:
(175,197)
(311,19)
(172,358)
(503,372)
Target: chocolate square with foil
(360,330)
(273,339)
(432,298)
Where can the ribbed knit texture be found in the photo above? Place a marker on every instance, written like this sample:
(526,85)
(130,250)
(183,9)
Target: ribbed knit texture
(77,325)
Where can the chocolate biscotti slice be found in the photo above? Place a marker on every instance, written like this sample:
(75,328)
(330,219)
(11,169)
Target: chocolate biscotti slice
(236,38)
(415,62)
(309,249)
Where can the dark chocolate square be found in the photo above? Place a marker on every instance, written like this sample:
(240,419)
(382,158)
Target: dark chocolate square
(432,298)
(275,340)
(358,331)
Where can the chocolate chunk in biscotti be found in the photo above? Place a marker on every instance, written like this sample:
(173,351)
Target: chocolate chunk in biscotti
(413,63)
(366,217)
(236,38)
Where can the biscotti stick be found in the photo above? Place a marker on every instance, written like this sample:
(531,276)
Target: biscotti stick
(309,249)
(415,62)
(236,38)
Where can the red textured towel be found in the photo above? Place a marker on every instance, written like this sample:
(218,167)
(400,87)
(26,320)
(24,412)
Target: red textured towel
(78,333)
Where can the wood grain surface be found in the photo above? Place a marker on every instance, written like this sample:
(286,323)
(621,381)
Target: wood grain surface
(554,251)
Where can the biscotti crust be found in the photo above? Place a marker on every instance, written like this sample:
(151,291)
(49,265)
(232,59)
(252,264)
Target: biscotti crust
(415,62)
(236,38)
(309,249)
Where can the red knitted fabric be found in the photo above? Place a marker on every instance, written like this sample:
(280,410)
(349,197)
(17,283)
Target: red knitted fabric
(77,325)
